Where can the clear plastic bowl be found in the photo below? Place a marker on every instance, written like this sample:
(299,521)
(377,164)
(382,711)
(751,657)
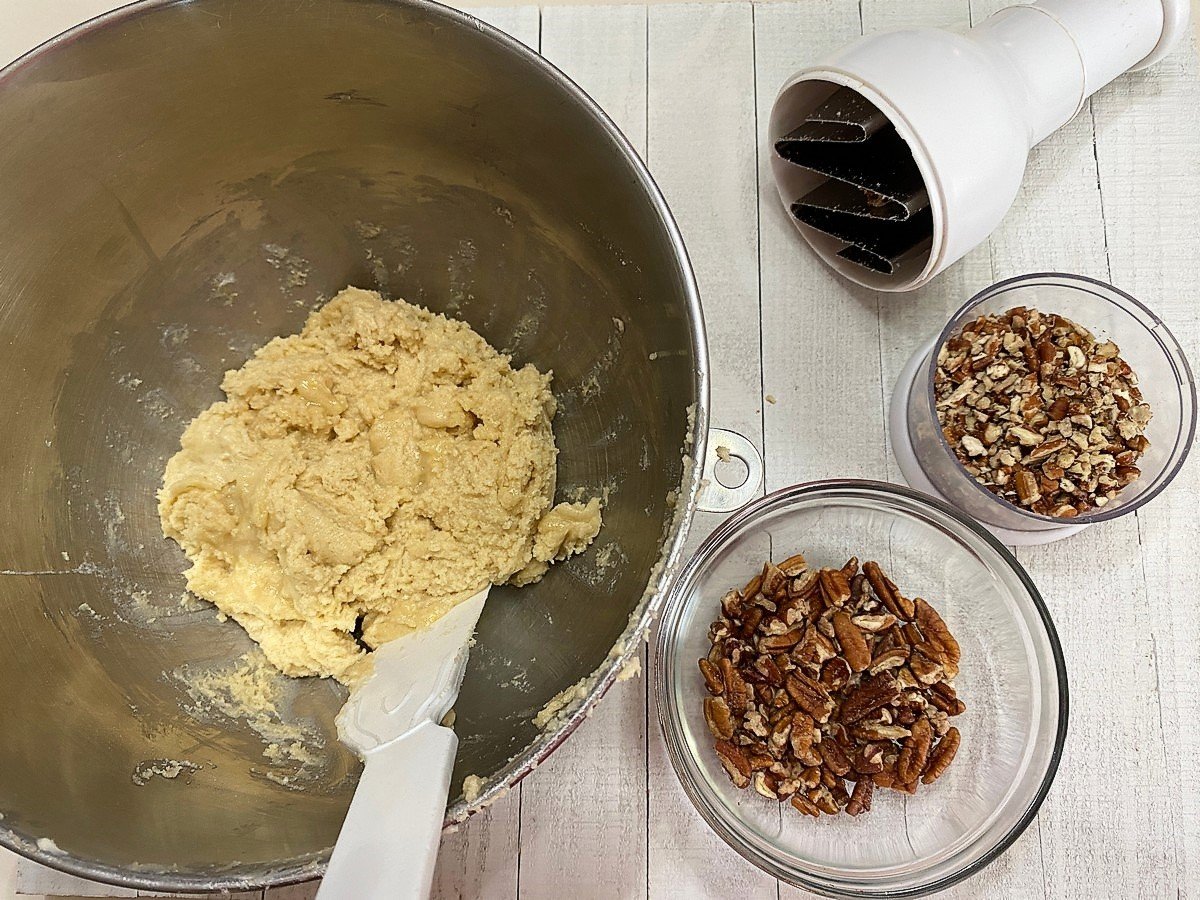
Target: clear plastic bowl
(1163,375)
(1012,679)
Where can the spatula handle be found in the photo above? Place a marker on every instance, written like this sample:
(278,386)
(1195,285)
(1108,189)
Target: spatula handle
(388,846)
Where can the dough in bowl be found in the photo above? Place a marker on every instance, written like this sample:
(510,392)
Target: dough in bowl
(364,476)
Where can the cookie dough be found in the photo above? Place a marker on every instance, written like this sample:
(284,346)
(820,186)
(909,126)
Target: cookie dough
(364,476)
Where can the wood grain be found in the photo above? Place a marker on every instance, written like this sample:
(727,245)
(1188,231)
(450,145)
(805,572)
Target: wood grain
(576,814)
(702,151)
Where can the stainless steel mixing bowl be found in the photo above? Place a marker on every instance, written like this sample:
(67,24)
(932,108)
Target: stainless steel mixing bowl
(179,182)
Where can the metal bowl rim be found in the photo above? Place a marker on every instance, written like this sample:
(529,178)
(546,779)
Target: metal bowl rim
(662,577)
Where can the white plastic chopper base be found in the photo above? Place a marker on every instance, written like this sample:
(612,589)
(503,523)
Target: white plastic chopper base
(915,477)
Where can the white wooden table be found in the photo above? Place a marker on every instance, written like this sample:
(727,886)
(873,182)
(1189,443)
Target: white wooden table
(1114,195)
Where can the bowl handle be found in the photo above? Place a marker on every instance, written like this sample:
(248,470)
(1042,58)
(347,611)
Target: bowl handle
(723,447)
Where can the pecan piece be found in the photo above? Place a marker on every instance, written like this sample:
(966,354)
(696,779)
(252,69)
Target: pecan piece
(869,759)
(823,799)
(794,565)
(735,763)
(814,649)
(731,604)
(766,784)
(767,668)
(886,591)
(802,735)
(835,674)
(712,677)
(870,694)
(854,645)
(941,756)
(773,643)
(774,581)
(925,669)
(716,714)
(738,692)
(806,806)
(935,631)
(944,698)
(834,757)
(875,623)
(835,586)
(915,752)
(888,659)
(860,798)
(809,695)
(804,585)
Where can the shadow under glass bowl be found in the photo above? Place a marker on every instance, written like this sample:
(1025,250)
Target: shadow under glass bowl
(1013,680)
(180,182)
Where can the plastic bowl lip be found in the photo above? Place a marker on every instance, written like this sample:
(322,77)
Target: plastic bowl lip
(668,717)
(1172,351)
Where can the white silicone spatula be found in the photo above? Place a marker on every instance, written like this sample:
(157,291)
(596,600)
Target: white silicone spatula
(389,841)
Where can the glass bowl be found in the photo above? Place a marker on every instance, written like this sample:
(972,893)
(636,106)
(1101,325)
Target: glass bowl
(1150,349)
(1012,679)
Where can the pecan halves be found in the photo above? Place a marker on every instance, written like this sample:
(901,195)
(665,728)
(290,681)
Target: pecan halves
(823,684)
(915,752)
(941,756)
(935,631)
(735,762)
(899,606)
(854,645)
(870,694)
(716,714)
(809,695)
(835,585)
(712,677)
(834,757)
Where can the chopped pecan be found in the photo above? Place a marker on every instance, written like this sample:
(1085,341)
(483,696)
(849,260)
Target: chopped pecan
(712,677)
